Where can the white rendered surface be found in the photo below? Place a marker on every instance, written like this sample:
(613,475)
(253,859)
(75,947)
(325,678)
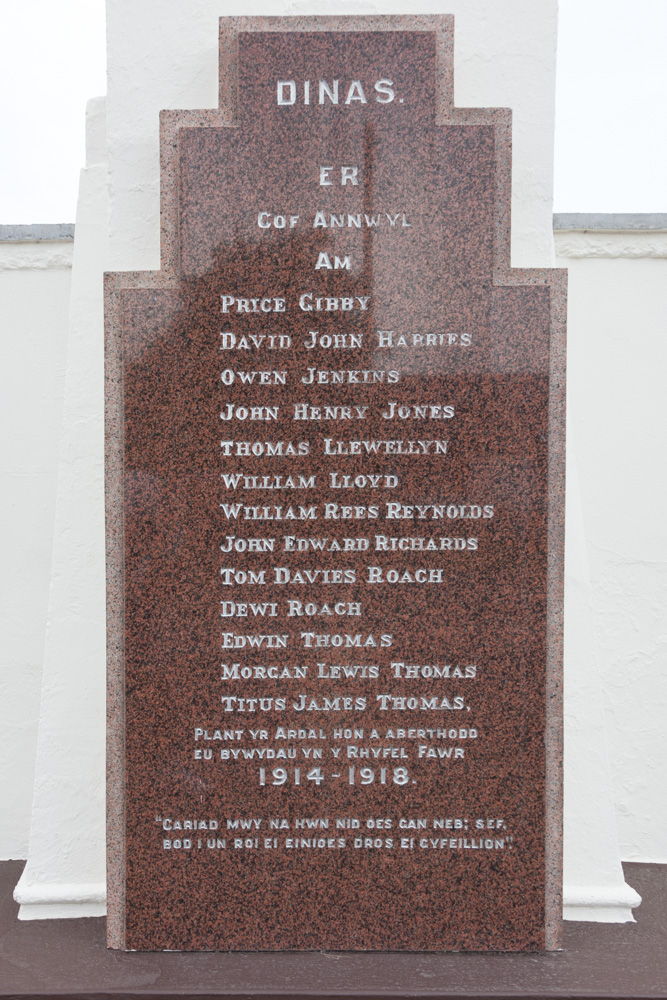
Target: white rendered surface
(64,875)
(594,886)
(165,56)
(611,89)
(600,904)
(617,361)
(504,56)
(34,303)
(631,244)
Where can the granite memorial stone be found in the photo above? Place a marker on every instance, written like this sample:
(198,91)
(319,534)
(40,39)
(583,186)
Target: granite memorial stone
(335,450)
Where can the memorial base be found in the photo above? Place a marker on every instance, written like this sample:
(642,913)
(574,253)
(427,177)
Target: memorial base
(69,958)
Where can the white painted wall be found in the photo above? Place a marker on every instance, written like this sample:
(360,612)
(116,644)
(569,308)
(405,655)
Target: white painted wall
(594,886)
(504,56)
(617,318)
(34,303)
(165,56)
(617,359)
(64,875)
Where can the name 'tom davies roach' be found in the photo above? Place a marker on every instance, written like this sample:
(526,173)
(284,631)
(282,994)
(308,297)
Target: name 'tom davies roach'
(335,483)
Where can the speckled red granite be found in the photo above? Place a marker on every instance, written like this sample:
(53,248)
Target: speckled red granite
(443,273)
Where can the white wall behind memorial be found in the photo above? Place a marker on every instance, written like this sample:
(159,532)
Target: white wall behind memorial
(35,278)
(617,318)
(169,60)
(617,357)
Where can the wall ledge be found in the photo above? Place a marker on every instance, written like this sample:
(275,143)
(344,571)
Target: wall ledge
(628,243)
(49,901)
(36,255)
(57,901)
(600,904)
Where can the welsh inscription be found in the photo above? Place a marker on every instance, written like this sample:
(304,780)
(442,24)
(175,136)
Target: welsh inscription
(336,527)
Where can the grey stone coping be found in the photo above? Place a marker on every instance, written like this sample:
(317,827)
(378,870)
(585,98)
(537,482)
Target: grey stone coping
(571,221)
(610,220)
(37,233)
